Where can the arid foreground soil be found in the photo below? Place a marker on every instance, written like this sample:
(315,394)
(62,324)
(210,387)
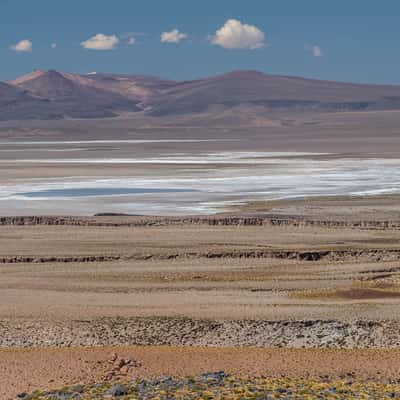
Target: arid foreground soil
(299,288)
(40,369)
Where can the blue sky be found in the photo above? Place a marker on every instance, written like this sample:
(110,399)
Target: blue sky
(349,40)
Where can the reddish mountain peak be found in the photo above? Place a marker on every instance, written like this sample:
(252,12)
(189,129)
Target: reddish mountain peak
(27,77)
(70,95)
(49,84)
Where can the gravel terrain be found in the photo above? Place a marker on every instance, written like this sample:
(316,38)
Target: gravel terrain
(189,332)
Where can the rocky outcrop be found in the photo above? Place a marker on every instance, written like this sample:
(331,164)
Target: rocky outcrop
(138,221)
(58,259)
(309,255)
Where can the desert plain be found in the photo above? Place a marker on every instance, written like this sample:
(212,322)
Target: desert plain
(178,261)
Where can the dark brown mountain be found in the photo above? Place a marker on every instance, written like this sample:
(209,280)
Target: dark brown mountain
(250,94)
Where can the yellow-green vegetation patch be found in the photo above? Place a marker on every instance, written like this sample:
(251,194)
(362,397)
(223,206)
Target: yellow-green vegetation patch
(220,386)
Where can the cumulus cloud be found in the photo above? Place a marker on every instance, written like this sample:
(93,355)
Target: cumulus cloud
(315,50)
(53,45)
(23,46)
(101,42)
(173,36)
(236,35)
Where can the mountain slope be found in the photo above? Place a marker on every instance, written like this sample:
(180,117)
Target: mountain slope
(10,94)
(16,103)
(274,93)
(137,87)
(67,96)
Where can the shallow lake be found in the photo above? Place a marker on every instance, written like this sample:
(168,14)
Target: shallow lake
(184,182)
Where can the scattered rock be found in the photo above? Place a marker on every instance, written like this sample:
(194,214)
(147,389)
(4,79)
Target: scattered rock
(214,385)
(117,390)
(78,388)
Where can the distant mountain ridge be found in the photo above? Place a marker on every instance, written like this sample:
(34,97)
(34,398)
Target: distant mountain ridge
(67,96)
(56,95)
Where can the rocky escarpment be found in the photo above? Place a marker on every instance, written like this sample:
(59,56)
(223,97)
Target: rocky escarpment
(138,221)
(371,255)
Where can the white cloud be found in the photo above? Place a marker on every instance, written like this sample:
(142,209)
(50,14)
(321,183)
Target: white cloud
(315,50)
(173,36)
(236,35)
(101,42)
(131,41)
(23,46)
(53,45)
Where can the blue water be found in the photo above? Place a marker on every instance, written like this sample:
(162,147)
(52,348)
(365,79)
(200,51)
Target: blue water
(93,192)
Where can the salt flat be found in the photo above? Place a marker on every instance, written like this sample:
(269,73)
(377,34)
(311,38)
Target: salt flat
(103,179)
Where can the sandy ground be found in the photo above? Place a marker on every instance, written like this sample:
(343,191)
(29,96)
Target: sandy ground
(198,271)
(199,284)
(348,132)
(336,208)
(29,370)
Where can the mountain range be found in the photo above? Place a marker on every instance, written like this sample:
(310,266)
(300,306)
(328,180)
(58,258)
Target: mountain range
(50,95)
